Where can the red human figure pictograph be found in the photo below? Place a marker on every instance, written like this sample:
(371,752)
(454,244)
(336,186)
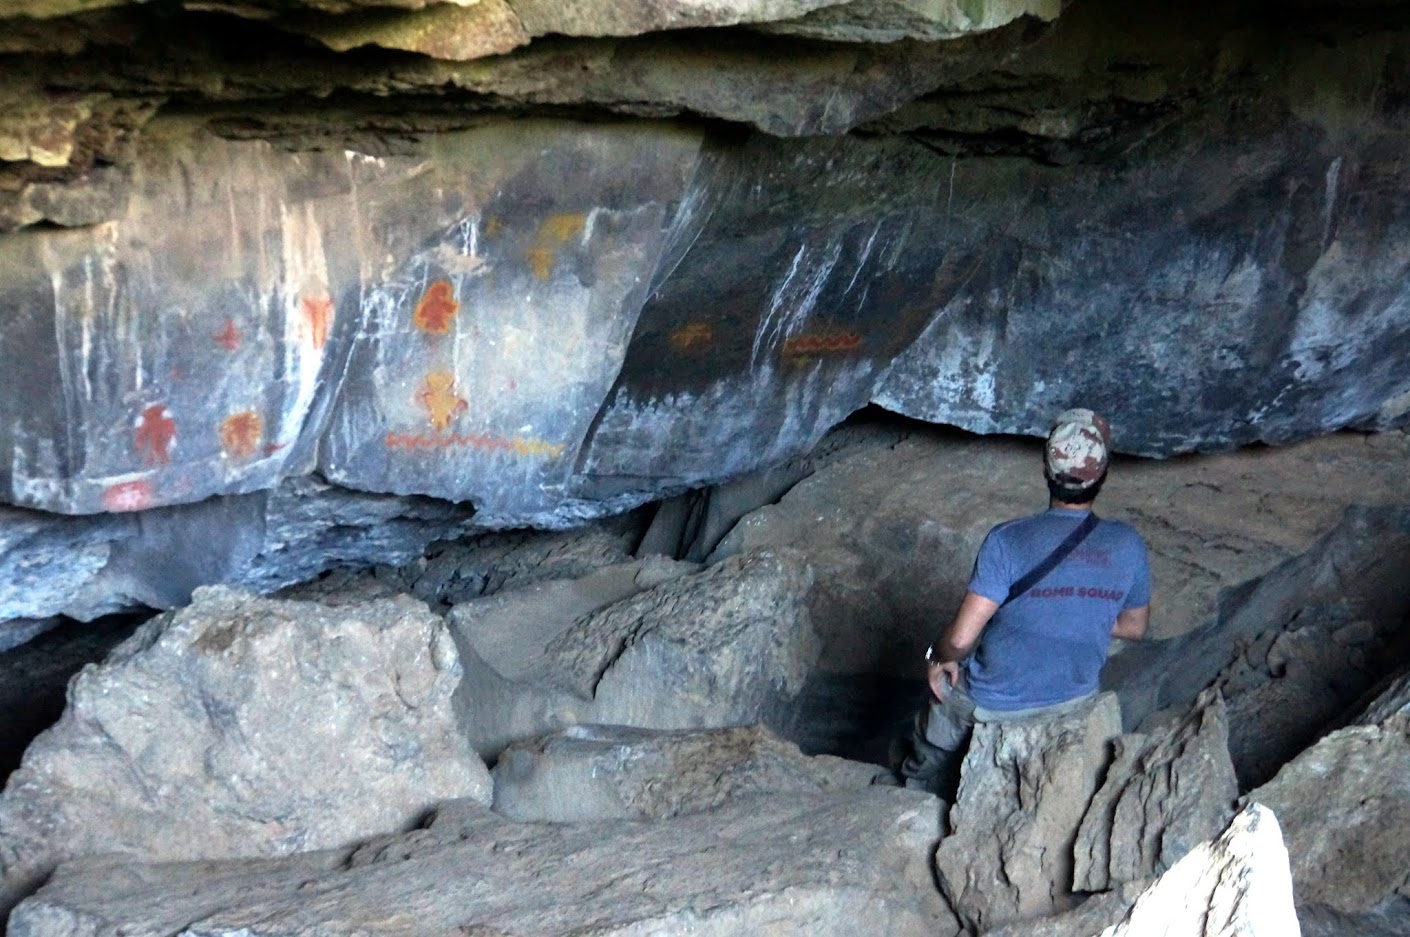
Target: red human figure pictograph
(436,309)
(155,432)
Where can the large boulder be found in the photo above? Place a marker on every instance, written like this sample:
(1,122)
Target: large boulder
(841,863)
(1235,886)
(615,772)
(1024,788)
(242,726)
(1345,805)
(727,646)
(1163,794)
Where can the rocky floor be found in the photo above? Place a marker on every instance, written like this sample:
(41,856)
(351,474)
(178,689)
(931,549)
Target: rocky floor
(238,738)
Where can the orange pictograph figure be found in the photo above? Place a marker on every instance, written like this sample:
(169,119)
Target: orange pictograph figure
(436,310)
(155,433)
(519,445)
(822,343)
(241,434)
(317,311)
(230,336)
(555,231)
(127,496)
(694,335)
(440,399)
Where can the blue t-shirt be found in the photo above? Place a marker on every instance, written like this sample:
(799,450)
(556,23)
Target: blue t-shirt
(1048,645)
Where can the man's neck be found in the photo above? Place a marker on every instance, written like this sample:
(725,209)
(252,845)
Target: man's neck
(1084,506)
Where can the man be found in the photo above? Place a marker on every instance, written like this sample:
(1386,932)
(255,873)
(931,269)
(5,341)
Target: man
(1047,594)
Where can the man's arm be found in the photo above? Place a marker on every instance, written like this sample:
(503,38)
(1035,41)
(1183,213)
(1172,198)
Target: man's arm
(1131,623)
(957,641)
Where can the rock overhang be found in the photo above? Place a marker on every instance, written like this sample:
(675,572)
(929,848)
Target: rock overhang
(539,283)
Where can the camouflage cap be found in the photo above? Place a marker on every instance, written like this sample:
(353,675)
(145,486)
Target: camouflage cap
(1077,449)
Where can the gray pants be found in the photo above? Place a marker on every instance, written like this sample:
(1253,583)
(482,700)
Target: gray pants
(941,737)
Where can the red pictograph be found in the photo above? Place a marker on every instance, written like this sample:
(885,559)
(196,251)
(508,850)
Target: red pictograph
(241,434)
(436,310)
(127,496)
(155,434)
(318,318)
(230,336)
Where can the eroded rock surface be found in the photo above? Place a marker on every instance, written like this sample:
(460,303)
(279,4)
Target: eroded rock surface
(244,727)
(1024,788)
(832,864)
(1161,796)
(592,772)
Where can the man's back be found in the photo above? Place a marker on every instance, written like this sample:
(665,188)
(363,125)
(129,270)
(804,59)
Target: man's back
(1048,645)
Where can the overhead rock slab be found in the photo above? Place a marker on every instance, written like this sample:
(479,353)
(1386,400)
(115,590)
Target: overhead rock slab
(244,727)
(1162,795)
(592,772)
(826,864)
(1024,788)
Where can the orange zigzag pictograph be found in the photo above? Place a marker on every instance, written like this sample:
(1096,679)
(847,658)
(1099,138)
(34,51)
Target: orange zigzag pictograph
(822,343)
(518,445)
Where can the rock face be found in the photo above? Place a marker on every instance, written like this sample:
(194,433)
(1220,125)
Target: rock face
(728,646)
(244,727)
(1344,804)
(1341,603)
(830,864)
(613,772)
(558,319)
(1024,788)
(1162,796)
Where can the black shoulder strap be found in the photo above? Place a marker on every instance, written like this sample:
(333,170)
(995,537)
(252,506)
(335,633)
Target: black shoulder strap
(1036,574)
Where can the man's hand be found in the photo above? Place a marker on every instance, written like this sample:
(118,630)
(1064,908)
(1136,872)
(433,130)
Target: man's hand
(942,675)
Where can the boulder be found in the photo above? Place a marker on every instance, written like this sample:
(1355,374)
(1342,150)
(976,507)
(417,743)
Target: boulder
(727,646)
(1162,795)
(1024,787)
(1236,886)
(241,726)
(1344,805)
(613,772)
(840,863)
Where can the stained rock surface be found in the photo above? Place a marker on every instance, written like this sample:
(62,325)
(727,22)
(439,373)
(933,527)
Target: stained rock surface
(241,726)
(838,864)
(592,772)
